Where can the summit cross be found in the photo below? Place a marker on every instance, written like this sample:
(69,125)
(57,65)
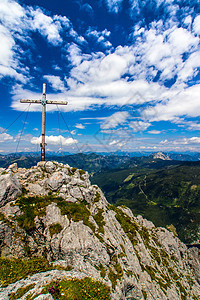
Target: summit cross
(43,101)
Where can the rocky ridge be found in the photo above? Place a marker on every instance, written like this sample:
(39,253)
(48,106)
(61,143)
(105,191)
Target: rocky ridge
(51,210)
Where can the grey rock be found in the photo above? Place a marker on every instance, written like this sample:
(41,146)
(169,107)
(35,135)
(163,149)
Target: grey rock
(56,180)
(76,192)
(35,188)
(50,166)
(44,297)
(145,223)
(10,188)
(13,167)
(53,216)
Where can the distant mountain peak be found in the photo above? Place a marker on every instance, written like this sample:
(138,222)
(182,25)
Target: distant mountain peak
(161,155)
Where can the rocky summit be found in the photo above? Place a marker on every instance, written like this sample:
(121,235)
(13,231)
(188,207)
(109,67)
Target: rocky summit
(51,216)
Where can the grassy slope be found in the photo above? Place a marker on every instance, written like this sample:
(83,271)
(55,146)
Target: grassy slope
(166,196)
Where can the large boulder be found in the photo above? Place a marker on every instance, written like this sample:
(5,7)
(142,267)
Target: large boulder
(10,188)
(56,180)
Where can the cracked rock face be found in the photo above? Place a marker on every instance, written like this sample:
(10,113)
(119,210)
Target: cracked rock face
(10,188)
(61,216)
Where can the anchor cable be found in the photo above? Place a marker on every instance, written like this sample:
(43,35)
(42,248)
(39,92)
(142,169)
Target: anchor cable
(22,129)
(60,134)
(15,119)
(68,128)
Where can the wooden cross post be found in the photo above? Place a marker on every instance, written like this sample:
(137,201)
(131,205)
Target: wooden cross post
(43,101)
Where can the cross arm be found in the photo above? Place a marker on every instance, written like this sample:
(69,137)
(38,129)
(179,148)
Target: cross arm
(47,101)
(30,101)
(61,102)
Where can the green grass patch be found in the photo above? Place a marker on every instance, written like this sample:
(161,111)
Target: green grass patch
(78,289)
(82,172)
(21,292)
(55,229)
(2,217)
(73,170)
(97,197)
(102,269)
(128,224)
(12,270)
(36,206)
(99,219)
(115,273)
(75,211)
(32,207)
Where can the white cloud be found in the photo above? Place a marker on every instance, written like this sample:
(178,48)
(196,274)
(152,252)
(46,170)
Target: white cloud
(160,49)
(154,131)
(189,125)
(5,137)
(8,62)
(114,5)
(139,125)
(182,40)
(182,141)
(55,81)
(196,25)
(16,24)
(190,67)
(46,26)
(183,102)
(11,13)
(116,119)
(54,140)
(100,36)
(115,143)
(80,126)
(77,38)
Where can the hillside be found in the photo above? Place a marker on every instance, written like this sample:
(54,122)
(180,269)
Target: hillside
(61,239)
(164,196)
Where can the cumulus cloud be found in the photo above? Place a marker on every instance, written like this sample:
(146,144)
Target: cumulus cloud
(11,13)
(16,24)
(5,137)
(46,26)
(196,25)
(184,102)
(139,125)
(8,61)
(100,36)
(54,140)
(55,81)
(116,119)
(161,50)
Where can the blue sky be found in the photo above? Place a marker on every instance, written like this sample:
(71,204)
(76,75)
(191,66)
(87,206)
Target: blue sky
(129,69)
